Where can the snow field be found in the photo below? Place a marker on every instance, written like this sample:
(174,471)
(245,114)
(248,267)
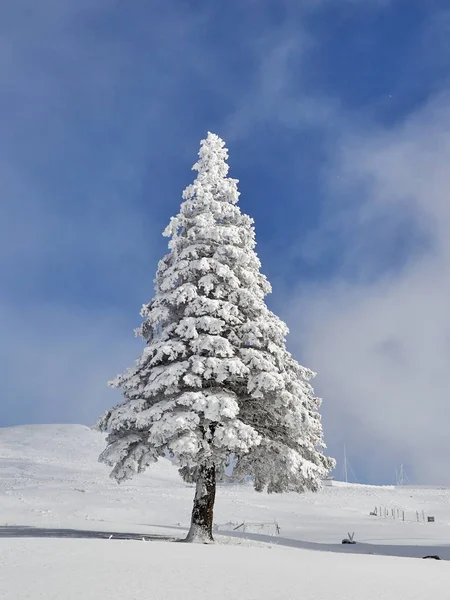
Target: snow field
(50,477)
(97,570)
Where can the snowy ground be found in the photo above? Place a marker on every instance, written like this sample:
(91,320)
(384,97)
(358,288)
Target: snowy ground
(50,479)
(94,570)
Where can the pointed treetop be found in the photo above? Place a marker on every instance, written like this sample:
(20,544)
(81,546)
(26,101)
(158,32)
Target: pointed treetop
(213,156)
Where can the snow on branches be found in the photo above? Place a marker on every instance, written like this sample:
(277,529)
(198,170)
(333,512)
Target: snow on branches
(215,382)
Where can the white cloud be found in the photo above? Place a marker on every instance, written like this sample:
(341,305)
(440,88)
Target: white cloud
(381,341)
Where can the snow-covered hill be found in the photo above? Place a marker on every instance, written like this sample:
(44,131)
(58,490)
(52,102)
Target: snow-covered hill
(50,477)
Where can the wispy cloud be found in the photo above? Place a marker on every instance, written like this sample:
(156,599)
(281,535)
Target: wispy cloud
(381,339)
(277,93)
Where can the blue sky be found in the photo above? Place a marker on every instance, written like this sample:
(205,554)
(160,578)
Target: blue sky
(337,118)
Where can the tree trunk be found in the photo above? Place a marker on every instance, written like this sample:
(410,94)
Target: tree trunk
(202,512)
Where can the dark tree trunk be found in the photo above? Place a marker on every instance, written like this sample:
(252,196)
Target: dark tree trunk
(202,512)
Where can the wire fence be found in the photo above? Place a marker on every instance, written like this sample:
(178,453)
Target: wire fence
(389,512)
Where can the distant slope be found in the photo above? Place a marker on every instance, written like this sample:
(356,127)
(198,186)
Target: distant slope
(72,449)
(50,476)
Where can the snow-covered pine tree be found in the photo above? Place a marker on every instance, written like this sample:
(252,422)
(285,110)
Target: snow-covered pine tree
(215,383)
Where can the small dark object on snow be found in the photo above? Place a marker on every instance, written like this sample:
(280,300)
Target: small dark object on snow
(430,519)
(350,539)
(435,556)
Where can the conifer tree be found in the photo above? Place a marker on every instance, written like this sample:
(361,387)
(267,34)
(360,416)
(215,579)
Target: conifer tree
(215,383)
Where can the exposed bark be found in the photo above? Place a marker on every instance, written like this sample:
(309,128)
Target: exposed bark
(202,512)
